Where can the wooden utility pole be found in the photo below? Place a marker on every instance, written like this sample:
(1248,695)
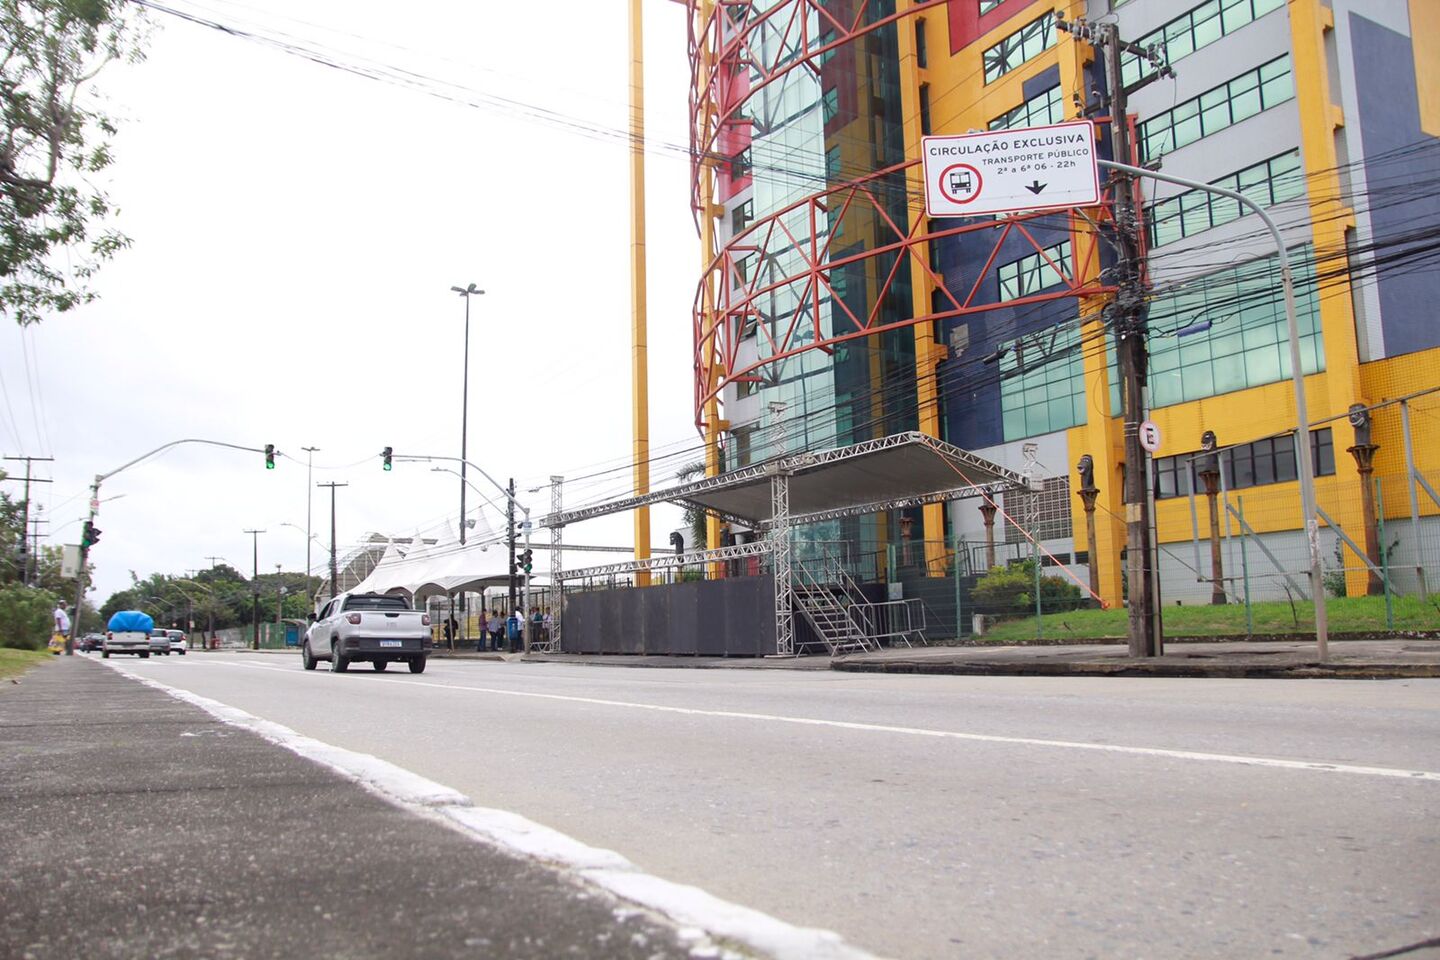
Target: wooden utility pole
(1128,325)
(26,554)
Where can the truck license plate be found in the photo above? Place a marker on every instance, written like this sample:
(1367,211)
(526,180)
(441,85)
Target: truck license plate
(390,643)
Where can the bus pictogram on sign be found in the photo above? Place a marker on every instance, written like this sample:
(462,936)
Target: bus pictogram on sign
(961,183)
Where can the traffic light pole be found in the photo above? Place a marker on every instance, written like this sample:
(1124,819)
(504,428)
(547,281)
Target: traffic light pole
(525,625)
(95,507)
(510,541)
(512,506)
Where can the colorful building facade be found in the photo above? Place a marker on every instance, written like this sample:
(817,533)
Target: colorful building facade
(832,310)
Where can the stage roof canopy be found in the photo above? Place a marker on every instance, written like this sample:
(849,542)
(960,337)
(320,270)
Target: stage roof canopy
(906,469)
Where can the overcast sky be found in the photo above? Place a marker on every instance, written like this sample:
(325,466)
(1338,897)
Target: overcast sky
(296,233)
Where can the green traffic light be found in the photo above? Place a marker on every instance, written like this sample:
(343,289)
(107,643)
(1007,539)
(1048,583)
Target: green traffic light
(387,465)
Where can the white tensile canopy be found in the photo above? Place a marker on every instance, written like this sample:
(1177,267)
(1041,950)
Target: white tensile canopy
(420,570)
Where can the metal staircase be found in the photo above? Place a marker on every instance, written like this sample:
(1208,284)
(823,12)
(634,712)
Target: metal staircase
(824,594)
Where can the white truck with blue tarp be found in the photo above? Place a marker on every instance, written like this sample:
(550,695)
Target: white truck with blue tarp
(128,632)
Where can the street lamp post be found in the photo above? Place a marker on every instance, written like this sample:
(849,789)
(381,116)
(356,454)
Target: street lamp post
(466,292)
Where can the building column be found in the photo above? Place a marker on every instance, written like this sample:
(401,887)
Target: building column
(1087,493)
(987,512)
(1364,454)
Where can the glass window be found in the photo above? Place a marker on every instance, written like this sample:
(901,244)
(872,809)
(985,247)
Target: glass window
(1020,46)
(1042,385)
(920,54)
(1267,183)
(987,5)
(741,216)
(1262,462)
(1030,275)
(1044,108)
(1246,343)
(830,104)
(740,164)
(925,108)
(1217,108)
(1198,27)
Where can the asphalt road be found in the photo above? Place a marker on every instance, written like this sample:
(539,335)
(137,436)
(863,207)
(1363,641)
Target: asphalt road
(937,816)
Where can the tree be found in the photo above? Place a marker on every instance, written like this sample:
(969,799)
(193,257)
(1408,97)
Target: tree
(25,617)
(695,518)
(55,139)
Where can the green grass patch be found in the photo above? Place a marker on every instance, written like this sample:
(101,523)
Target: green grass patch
(15,662)
(1269,618)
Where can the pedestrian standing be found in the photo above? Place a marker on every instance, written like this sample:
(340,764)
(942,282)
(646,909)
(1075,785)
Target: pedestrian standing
(494,626)
(62,628)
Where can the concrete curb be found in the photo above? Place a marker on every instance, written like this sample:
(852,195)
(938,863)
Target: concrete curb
(1312,670)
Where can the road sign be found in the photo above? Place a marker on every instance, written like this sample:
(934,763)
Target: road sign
(1150,436)
(1006,171)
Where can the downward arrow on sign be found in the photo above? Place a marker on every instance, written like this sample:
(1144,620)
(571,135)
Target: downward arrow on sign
(1036,186)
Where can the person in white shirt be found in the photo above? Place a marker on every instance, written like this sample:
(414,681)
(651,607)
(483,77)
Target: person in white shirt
(62,620)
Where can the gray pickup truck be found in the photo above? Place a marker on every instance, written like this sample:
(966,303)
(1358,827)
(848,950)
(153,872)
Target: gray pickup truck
(367,627)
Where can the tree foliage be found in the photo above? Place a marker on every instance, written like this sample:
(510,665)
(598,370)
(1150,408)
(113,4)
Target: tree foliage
(217,598)
(25,616)
(55,141)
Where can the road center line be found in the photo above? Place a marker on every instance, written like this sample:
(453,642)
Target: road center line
(1241,760)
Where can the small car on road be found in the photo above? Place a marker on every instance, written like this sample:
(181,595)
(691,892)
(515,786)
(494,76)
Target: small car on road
(367,627)
(91,642)
(178,641)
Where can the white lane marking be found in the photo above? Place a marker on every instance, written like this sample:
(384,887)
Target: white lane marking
(1241,759)
(683,905)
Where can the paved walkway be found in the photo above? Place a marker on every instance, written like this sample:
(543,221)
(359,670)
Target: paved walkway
(140,826)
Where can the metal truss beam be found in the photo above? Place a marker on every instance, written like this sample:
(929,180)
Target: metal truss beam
(944,496)
(698,557)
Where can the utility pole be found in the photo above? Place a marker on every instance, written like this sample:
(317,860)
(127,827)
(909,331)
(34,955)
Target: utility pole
(279,595)
(255,588)
(334,571)
(34,555)
(25,552)
(1127,314)
(510,539)
(309,502)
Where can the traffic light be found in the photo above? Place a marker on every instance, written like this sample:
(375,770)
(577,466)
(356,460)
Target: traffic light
(269,456)
(524,560)
(89,535)
(385,455)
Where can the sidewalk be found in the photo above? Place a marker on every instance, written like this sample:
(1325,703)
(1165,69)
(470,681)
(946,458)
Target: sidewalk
(141,826)
(1348,659)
